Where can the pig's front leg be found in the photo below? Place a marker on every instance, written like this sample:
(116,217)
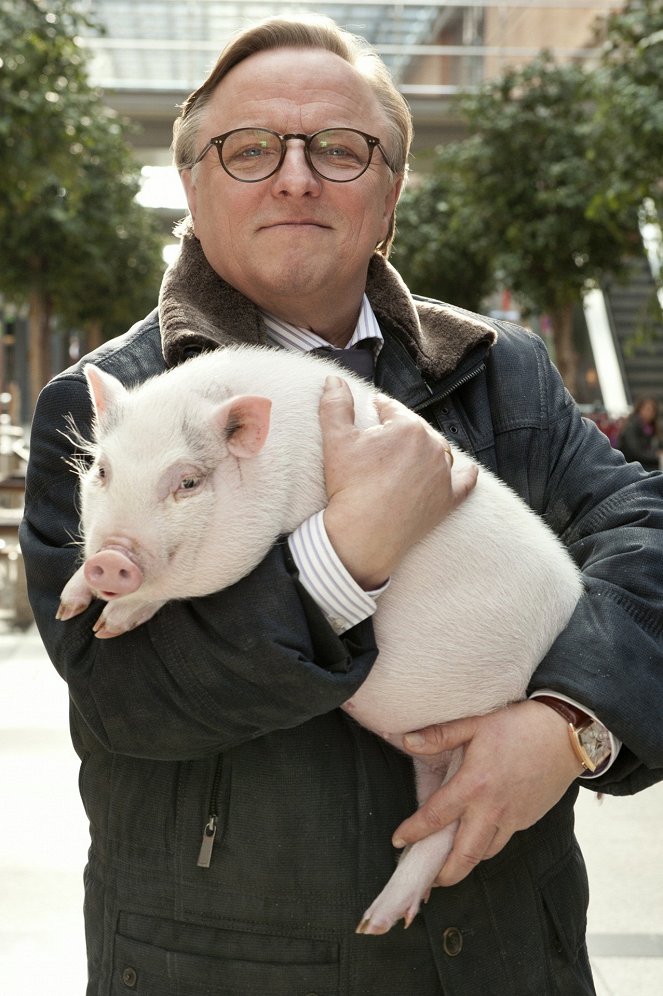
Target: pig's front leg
(75,597)
(419,864)
(119,616)
(124,614)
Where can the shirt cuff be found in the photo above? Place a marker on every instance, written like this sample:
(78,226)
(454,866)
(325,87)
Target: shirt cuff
(343,601)
(615,744)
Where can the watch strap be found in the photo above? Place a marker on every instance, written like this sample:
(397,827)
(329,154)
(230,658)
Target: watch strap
(577,721)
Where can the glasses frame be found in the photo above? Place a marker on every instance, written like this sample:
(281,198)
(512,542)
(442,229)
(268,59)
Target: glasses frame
(218,141)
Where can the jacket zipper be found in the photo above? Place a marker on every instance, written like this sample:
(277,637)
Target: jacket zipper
(450,388)
(211,826)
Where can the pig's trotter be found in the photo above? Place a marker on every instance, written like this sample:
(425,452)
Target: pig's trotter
(121,615)
(410,884)
(75,597)
(69,609)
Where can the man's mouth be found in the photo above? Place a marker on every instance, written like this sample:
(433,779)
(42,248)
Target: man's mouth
(295,223)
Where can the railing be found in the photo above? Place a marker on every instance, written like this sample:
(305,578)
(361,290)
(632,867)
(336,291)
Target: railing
(14,606)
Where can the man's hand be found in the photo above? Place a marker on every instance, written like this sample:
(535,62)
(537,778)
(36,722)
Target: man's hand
(518,763)
(387,485)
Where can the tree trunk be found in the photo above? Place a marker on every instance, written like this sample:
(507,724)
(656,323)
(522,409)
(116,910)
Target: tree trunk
(38,344)
(566,358)
(95,335)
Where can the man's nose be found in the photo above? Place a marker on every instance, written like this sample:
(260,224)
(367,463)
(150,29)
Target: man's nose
(295,174)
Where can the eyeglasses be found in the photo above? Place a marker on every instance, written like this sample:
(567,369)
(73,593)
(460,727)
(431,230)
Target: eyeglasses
(253,154)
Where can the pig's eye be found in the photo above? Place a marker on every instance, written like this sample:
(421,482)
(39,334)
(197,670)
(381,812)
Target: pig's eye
(189,483)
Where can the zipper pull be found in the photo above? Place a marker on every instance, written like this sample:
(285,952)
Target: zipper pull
(209,834)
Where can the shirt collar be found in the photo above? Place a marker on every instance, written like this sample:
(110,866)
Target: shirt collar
(282,333)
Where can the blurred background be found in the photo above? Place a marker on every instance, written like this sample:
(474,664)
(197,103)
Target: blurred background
(534,195)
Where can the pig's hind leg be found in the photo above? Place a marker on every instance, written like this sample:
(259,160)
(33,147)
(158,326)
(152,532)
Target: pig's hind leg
(419,864)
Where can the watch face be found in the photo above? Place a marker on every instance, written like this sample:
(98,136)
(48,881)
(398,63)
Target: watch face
(595,739)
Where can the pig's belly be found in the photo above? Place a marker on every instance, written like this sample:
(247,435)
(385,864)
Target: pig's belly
(401,695)
(435,666)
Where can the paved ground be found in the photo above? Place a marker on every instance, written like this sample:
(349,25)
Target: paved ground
(43,840)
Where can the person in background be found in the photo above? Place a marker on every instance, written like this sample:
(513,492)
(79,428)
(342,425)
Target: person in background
(240,821)
(639,438)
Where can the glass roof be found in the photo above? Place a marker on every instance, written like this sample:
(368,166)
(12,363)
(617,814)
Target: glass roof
(172,44)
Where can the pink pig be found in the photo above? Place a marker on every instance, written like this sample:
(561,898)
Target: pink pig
(197,472)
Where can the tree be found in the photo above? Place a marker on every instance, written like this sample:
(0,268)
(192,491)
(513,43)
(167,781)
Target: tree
(440,248)
(629,109)
(529,177)
(72,232)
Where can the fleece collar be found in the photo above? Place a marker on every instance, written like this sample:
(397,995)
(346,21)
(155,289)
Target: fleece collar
(199,310)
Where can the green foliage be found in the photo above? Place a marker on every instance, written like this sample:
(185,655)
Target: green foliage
(72,231)
(628,148)
(543,196)
(440,248)
(531,174)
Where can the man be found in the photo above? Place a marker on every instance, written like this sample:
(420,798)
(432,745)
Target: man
(240,822)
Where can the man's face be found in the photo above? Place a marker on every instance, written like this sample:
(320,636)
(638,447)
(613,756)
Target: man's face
(293,235)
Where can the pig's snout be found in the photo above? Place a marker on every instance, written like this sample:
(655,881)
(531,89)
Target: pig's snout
(112,573)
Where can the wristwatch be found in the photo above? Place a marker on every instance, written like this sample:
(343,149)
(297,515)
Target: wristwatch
(589,738)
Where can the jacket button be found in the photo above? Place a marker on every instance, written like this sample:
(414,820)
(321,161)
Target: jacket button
(452,941)
(130,977)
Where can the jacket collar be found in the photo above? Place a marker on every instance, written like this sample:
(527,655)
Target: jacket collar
(200,311)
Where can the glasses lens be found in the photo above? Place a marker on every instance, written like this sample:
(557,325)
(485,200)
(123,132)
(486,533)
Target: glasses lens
(251,153)
(339,153)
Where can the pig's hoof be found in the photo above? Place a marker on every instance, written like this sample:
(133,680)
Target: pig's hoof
(104,632)
(381,916)
(67,610)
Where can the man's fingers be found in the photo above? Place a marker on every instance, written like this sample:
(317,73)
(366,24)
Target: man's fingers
(471,845)
(436,739)
(463,481)
(388,409)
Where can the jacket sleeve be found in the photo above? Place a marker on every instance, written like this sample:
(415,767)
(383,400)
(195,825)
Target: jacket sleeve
(201,675)
(610,515)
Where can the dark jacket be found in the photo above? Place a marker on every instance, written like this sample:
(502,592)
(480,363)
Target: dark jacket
(222,712)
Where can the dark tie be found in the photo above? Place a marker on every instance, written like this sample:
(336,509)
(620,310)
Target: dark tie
(360,358)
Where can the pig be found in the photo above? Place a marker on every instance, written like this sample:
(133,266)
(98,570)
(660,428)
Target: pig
(191,478)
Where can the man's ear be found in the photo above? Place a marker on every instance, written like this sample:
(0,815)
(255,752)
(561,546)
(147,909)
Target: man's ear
(189,184)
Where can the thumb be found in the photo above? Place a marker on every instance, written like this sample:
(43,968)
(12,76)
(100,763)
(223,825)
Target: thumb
(337,407)
(441,737)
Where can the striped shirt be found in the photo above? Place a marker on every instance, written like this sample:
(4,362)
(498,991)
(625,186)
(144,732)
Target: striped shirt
(321,572)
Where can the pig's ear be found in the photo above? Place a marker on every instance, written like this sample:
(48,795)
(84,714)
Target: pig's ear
(244,420)
(105,390)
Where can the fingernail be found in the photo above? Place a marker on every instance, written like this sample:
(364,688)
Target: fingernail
(398,842)
(333,381)
(414,740)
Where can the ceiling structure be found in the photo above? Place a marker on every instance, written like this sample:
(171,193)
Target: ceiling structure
(171,44)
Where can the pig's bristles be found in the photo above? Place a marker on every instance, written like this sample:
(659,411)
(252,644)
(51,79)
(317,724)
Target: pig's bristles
(84,449)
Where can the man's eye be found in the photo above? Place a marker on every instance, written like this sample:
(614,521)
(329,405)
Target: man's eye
(252,152)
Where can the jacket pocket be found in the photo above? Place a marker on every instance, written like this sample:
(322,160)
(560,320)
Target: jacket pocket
(157,957)
(565,895)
